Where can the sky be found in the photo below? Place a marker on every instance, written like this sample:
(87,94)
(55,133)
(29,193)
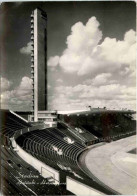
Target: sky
(91,55)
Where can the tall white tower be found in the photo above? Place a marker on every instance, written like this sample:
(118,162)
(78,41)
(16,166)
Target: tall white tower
(39,61)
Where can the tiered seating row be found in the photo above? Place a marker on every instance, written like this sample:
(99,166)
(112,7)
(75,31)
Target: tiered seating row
(12,165)
(61,134)
(71,132)
(14,181)
(89,136)
(43,143)
(11,123)
(19,166)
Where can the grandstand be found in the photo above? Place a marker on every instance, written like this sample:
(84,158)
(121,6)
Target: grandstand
(45,145)
(112,124)
(15,172)
(58,147)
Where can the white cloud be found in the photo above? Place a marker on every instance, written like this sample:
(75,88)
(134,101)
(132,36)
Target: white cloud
(53,61)
(5,84)
(84,38)
(18,98)
(100,80)
(49,86)
(80,44)
(24,89)
(85,53)
(108,64)
(129,37)
(119,53)
(59,80)
(26,49)
(79,96)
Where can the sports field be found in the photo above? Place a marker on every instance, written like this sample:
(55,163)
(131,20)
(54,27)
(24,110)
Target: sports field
(114,165)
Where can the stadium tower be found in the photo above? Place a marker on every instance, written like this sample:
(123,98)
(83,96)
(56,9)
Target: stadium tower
(39,61)
(39,70)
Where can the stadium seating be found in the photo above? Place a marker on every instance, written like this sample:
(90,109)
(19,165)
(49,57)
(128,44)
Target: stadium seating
(12,166)
(103,124)
(58,147)
(10,124)
(71,132)
(47,144)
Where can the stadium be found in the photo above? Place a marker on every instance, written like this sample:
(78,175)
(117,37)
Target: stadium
(45,152)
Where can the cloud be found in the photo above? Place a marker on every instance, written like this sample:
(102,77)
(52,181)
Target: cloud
(5,84)
(60,80)
(100,80)
(26,49)
(19,98)
(87,53)
(24,89)
(53,62)
(49,86)
(108,65)
(79,96)
(119,53)
(80,43)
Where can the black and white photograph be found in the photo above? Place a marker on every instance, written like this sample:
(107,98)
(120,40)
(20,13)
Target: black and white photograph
(68,98)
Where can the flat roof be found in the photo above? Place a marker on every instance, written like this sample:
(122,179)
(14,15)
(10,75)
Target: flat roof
(96,111)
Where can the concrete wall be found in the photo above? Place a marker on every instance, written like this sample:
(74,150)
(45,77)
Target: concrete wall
(45,170)
(80,189)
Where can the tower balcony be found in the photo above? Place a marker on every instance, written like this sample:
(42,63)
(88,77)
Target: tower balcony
(32,32)
(32,15)
(32,104)
(32,54)
(32,60)
(32,37)
(32,26)
(32,21)
(32,109)
(32,66)
(32,44)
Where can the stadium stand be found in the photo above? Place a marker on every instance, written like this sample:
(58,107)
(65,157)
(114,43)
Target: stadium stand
(45,145)
(15,172)
(59,147)
(103,124)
